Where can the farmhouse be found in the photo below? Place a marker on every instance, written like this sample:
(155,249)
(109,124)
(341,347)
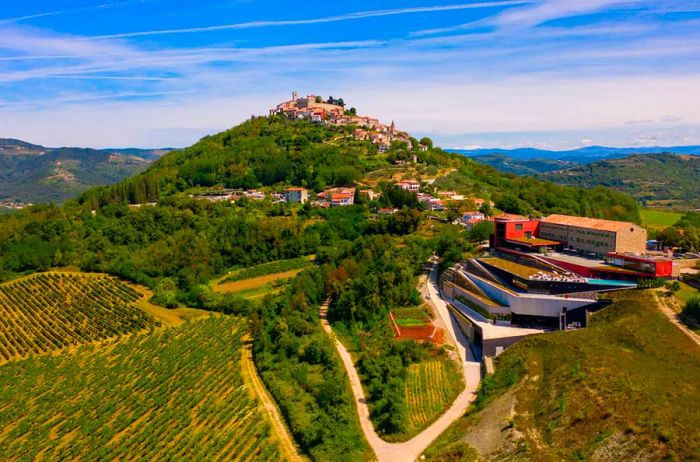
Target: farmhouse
(296,195)
(409,185)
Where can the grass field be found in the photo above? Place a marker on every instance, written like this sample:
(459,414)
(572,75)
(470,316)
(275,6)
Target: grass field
(257,287)
(273,267)
(175,394)
(658,219)
(431,387)
(686,293)
(50,311)
(409,317)
(265,279)
(624,388)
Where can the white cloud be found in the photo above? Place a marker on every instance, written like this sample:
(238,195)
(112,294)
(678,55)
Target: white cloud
(549,10)
(671,118)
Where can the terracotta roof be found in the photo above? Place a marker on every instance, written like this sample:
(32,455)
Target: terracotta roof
(592,223)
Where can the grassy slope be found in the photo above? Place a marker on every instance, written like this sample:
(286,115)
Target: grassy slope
(625,387)
(658,219)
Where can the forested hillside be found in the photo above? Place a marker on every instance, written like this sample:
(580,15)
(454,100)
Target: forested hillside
(524,166)
(366,263)
(653,179)
(33,173)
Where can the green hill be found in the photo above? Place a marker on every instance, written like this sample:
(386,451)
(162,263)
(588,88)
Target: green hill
(33,173)
(366,263)
(624,388)
(654,179)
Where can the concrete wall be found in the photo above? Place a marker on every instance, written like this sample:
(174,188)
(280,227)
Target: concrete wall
(529,304)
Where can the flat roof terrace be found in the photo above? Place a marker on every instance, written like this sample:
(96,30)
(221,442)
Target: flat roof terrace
(591,263)
(533,241)
(518,269)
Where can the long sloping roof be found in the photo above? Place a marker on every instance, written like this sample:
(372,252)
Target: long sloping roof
(592,223)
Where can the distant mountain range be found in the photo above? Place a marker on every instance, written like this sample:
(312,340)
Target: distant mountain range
(31,173)
(580,155)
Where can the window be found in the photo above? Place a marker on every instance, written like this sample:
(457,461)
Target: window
(518,227)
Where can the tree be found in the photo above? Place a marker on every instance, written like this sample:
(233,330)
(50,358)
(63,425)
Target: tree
(351,111)
(692,309)
(425,141)
(481,231)
(319,99)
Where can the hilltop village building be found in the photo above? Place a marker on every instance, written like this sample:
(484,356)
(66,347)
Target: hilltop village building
(296,195)
(314,109)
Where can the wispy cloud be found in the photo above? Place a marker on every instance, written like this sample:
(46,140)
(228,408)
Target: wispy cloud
(83,9)
(329,19)
(530,15)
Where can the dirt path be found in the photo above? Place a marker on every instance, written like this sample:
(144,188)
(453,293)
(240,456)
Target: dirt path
(412,449)
(251,376)
(672,315)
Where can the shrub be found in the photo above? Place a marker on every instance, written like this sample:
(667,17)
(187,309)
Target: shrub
(692,309)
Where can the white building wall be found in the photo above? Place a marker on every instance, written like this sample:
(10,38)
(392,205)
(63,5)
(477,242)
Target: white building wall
(529,304)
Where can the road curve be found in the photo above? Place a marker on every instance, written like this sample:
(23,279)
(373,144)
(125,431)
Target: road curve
(412,449)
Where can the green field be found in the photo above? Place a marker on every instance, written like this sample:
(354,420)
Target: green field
(658,219)
(408,317)
(624,388)
(176,394)
(686,293)
(279,266)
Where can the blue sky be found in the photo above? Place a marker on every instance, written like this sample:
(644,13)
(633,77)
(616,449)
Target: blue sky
(545,73)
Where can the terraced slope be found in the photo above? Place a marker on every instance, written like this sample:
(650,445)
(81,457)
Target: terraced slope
(49,311)
(176,394)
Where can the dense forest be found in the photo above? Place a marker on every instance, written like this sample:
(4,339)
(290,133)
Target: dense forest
(366,264)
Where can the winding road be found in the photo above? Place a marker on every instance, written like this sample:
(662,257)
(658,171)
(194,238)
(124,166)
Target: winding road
(412,449)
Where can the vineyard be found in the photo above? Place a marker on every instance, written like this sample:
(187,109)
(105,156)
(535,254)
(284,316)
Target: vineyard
(176,394)
(431,387)
(49,311)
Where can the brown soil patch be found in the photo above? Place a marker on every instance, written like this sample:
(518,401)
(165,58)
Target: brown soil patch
(253,283)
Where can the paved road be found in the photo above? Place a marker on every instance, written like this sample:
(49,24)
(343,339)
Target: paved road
(412,449)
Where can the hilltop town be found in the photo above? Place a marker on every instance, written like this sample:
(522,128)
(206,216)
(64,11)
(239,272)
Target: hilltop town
(332,112)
